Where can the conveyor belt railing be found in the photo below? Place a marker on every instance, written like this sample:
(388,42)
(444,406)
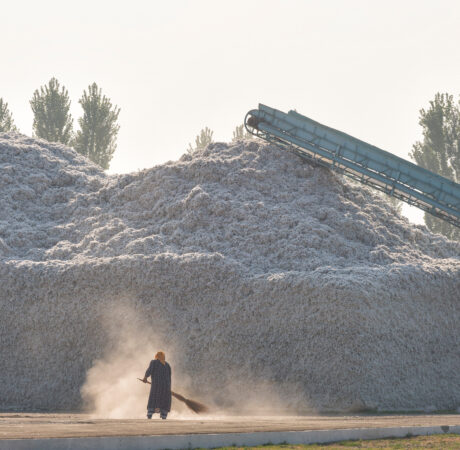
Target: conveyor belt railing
(357,159)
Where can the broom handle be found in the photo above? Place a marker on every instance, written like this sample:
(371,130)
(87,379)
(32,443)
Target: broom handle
(174,394)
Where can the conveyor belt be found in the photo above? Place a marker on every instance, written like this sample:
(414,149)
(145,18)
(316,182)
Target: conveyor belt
(359,160)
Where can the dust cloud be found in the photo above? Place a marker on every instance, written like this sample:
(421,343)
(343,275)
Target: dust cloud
(112,390)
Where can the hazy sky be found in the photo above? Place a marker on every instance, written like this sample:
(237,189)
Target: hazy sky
(365,67)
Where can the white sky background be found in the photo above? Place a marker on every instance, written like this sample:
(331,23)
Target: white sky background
(365,67)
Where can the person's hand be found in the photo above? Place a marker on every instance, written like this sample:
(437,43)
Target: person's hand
(144,379)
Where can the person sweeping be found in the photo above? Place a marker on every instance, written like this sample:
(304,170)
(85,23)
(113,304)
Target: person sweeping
(160,390)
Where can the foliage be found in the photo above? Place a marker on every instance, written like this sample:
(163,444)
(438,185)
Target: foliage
(98,132)
(202,140)
(240,133)
(397,204)
(52,120)
(439,151)
(6,119)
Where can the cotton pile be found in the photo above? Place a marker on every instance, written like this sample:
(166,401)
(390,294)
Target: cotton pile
(262,270)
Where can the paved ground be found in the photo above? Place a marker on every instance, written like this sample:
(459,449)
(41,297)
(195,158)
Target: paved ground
(38,425)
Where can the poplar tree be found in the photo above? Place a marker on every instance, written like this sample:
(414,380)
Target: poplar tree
(6,119)
(202,140)
(97,137)
(52,119)
(240,133)
(439,150)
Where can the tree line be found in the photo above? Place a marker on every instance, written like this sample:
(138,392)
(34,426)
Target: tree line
(97,137)
(205,138)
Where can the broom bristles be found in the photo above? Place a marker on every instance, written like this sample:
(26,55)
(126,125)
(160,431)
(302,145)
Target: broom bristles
(195,406)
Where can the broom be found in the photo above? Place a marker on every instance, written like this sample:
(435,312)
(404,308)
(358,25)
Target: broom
(196,407)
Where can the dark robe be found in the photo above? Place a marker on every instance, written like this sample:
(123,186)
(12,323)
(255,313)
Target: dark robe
(160,390)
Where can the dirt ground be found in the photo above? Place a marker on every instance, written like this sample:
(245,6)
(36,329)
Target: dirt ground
(48,425)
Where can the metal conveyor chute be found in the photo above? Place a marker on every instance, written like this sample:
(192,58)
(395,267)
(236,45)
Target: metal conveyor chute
(357,159)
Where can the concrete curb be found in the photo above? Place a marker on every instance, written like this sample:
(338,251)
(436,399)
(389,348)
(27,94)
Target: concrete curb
(190,441)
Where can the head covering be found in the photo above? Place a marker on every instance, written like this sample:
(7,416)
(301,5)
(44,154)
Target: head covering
(161,357)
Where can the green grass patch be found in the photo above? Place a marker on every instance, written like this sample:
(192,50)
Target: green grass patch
(435,441)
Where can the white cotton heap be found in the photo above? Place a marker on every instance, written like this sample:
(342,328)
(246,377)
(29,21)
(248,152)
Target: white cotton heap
(258,274)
